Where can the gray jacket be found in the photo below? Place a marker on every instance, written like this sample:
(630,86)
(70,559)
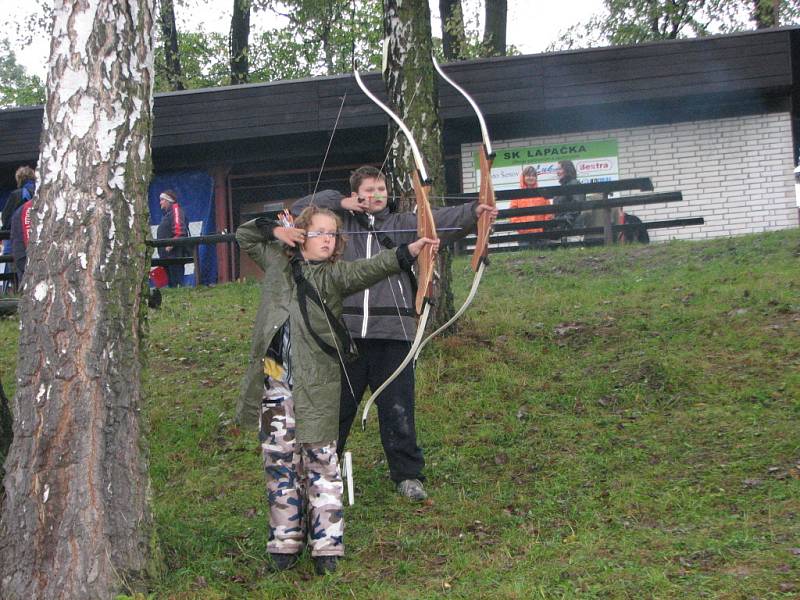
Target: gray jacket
(570,217)
(373,313)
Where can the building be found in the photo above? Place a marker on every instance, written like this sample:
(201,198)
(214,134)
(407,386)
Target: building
(716,118)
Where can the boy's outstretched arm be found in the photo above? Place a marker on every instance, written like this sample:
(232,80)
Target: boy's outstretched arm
(464,217)
(330,199)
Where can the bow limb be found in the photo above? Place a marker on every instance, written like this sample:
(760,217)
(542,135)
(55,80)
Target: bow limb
(426,259)
(485,196)
(470,297)
(486,193)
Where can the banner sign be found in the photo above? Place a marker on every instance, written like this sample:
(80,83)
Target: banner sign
(596,160)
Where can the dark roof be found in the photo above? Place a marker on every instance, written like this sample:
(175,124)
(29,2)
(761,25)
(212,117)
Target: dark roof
(520,95)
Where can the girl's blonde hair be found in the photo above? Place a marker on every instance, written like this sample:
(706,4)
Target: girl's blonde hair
(303,221)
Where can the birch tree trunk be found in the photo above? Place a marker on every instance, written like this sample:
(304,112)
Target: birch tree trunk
(413,91)
(76,521)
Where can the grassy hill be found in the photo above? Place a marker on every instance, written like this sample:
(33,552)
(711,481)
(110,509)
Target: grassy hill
(607,423)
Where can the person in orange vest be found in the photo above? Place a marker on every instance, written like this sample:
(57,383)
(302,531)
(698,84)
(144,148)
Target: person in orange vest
(528,179)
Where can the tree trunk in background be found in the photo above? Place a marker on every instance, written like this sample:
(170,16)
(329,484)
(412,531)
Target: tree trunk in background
(6,433)
(172,57)
(453,33)
(412,87)
(766,13)
(494,32)
(238,43)
(76,522)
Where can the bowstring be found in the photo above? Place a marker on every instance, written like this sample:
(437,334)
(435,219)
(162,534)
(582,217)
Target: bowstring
(328,149)
(384,173)
(308,264)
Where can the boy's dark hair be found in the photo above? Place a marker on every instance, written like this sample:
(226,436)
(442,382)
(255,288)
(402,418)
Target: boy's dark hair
(358,176)
(303,221)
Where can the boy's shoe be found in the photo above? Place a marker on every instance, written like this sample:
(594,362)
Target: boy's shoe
(412,489)
(325,564)
(281,562)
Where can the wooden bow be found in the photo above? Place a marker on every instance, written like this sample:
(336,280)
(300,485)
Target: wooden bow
(426,259)
(485,196)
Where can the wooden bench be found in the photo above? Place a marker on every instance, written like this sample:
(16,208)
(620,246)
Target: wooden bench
(554,230)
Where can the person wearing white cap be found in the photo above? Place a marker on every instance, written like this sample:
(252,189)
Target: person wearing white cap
(173,225)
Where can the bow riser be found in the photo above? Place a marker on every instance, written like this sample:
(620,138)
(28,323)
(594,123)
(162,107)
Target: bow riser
(485,196)
(425,228)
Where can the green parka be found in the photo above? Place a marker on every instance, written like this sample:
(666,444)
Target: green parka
(316,375)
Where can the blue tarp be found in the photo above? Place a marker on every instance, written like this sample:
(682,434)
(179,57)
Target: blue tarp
(5,246)
(195,190)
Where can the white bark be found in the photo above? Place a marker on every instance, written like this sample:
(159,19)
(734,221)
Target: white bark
(76,521)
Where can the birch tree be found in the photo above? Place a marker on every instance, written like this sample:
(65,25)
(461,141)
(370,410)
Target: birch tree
(76,521)
(413,92)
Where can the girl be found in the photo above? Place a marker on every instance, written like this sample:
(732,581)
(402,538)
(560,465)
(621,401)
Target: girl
(529,179)
(298,346)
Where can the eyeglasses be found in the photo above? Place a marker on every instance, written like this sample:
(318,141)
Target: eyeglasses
(327,234)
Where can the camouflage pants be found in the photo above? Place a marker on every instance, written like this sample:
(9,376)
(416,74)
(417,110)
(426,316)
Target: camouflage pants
(304,484)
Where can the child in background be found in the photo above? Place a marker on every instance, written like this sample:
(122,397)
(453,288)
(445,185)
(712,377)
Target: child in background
(299,345)
(529,179)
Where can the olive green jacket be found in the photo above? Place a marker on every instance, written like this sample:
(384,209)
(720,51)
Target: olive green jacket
(315,374)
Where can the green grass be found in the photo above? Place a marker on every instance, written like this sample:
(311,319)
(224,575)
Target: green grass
(606,423)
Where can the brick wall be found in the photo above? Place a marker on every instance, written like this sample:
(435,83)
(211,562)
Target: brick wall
(736,173)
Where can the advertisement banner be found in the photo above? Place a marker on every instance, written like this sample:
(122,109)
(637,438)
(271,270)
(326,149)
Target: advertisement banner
(595,160)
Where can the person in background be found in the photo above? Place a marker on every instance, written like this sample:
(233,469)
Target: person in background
(26,187)
(20,234)
(25,178)
(292,384)
(567,175)
(173,225)
(529,180)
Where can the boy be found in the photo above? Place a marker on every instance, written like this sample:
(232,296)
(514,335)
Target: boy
(382,319)
(298,346)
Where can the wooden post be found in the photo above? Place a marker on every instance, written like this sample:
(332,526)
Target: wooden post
(608,233)
(222,217)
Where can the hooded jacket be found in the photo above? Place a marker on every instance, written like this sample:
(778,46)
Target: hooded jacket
(16,199)
(21,231)
(386,310)
(316,375)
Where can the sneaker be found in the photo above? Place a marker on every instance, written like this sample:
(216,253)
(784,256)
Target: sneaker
(325,564)
(412,489)
(281,562)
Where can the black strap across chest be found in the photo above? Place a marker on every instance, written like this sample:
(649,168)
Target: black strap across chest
(306,291)
(385,241)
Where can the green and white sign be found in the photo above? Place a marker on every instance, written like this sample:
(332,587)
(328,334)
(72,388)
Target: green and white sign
(596,160)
